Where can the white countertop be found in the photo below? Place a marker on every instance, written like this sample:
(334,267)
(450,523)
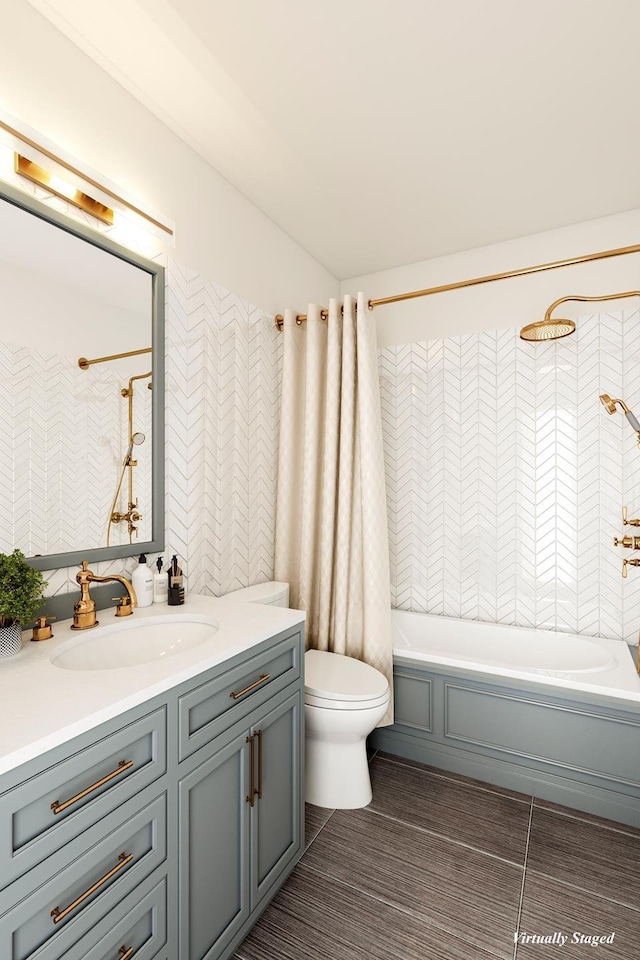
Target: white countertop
(43,705)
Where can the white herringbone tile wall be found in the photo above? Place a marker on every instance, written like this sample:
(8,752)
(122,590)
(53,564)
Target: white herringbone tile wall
(63,433)
(505,477)
(223,360)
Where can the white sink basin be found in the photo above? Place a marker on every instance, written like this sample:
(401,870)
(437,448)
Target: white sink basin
(129,644)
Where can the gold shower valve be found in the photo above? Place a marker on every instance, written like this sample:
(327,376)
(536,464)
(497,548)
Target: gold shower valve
(635,562)
(629,523)
(629,543)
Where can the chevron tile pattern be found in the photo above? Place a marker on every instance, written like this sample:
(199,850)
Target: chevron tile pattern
(67,436)
(223,392)
(223,360)
(505,476)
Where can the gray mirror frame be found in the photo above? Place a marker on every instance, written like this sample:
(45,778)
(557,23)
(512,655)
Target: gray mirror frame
(157,273)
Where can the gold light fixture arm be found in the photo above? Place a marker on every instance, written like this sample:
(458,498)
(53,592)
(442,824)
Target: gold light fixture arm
(84,364)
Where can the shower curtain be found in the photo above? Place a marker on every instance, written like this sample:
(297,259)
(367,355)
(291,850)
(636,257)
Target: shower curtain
(331,520)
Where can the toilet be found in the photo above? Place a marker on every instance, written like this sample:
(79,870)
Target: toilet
(344,700)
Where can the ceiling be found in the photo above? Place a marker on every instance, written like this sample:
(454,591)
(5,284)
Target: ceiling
(382,132)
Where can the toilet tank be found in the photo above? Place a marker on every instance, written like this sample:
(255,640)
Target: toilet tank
(275,594)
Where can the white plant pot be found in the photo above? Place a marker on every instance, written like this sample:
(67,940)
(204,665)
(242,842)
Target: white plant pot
(10,640)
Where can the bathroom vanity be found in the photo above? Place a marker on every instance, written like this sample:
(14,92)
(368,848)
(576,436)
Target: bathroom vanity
(164,828)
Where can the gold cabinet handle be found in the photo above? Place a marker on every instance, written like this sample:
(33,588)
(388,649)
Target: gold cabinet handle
(59,914)
(252,785)
(259,790)
(124,954)
(256,683)
(58,807)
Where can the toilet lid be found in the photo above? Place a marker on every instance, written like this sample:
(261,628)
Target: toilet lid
(333,677)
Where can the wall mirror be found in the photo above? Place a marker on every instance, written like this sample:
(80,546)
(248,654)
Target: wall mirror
(82,450)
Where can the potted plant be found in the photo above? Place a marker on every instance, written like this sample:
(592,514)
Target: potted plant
(21,595)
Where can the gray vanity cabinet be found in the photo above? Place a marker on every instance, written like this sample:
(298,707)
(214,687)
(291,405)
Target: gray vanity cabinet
(239,825)
(163,832)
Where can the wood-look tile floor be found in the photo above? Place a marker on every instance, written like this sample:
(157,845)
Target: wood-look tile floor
(441,867)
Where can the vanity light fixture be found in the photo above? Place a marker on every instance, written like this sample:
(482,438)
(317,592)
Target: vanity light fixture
(56,185)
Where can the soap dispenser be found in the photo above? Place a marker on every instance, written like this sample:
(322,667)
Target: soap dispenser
(142,581)
(160,585)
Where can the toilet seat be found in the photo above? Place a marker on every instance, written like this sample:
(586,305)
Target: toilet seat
(326,704)
(336,682)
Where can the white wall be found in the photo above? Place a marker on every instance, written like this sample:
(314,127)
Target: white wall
(51,85)
(504,303)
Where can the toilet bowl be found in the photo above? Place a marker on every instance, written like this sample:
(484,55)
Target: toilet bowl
(344,700)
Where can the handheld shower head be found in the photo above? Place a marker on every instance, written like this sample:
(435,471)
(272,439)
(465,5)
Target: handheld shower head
(136,439)
(611,406)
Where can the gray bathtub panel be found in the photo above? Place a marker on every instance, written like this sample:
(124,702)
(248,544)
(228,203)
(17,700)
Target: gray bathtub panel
(566,749)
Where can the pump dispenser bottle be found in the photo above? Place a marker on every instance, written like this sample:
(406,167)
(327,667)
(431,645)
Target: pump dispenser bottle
(160,585)
(142,581)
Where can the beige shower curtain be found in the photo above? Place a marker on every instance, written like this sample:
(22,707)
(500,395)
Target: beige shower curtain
(331,522)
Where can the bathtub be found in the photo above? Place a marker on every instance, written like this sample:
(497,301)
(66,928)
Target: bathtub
(592,664)
(550,715)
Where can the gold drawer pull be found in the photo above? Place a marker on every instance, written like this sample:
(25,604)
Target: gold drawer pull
(122,766)
(256,683)
(124,954)
(252,758)
(123,860)
(259,790)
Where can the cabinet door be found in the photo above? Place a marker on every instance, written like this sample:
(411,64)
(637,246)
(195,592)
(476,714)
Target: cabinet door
(213,837)
(277,812)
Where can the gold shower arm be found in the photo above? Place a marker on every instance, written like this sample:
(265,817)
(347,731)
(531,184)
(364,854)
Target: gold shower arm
(609,296)
(84,364)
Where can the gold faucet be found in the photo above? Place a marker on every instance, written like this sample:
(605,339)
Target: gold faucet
(84,611)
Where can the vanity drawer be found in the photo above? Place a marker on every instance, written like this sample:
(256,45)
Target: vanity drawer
(205,712)
(41,815)
(142,929)
(57,914)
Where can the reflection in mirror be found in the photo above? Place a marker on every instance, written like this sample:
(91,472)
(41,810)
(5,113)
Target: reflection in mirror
(77,443)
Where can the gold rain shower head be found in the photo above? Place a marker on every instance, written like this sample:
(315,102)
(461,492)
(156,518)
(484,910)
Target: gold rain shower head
(547,329)
(552,329)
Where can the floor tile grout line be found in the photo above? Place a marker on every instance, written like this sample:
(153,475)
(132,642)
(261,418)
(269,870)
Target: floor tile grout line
(403,910)
(442,776)
(317,834)
(444,836)
(591,893)
(524,875)
(570,814)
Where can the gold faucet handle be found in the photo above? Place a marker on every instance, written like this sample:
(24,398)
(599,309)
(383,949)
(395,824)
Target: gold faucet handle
(42,630)
(635,562)
(124,608)
(629,543)
(629,523)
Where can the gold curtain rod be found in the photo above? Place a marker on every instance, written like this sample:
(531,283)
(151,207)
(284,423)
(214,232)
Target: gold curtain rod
(84,364)
(508,274)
